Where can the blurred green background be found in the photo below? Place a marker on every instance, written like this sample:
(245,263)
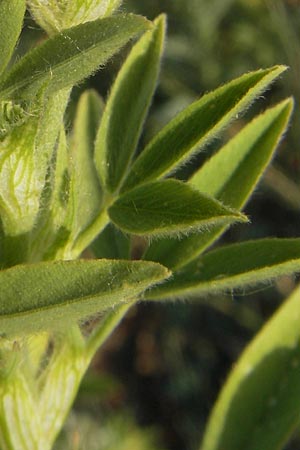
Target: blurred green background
(154,383)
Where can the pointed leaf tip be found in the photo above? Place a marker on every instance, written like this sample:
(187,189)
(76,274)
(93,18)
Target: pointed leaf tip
(36,297)
(169,207)
(239,166)
(197,125)
(127,107)
(235,266)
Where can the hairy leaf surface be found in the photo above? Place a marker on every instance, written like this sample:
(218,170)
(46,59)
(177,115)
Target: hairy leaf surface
(68,58)
(11,21)
(234,266)
(231,176)
(166,207)
(41,296)
(197,125)
(127,107)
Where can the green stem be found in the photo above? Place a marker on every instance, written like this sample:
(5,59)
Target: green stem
(89,234)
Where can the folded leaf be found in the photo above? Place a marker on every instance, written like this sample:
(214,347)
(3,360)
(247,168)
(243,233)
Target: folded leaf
(37,297)
(68,58)
(197,125)
(73,194)
(259,406)
(236,266)
(166,207)
(231,176)
(11,21)
(127,107)
(58,208)
(53,226)
(85,191)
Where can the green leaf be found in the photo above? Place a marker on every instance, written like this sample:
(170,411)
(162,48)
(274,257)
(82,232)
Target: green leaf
(127,107)
(241,162)
(60,186)
(11,21)
(234,266)
(52,230)
(166,207)
(231,176)
(259,406)
(111,244)
(68,58)
(198,125)
(85,191)
(37,297)
(72,195)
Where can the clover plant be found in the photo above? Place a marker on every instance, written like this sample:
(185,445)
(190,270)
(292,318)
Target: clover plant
(72,201)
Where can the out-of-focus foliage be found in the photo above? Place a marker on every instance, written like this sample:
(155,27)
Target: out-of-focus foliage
(100,420)
(119,432)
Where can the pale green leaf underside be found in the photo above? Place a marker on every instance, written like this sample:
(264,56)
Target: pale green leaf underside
(24,160)
(236,266)
(127,107)
(41,296)
(166,207)
(54,16)
(259,406)
(197,125)
(231,176)
(67,58)
(11,20)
